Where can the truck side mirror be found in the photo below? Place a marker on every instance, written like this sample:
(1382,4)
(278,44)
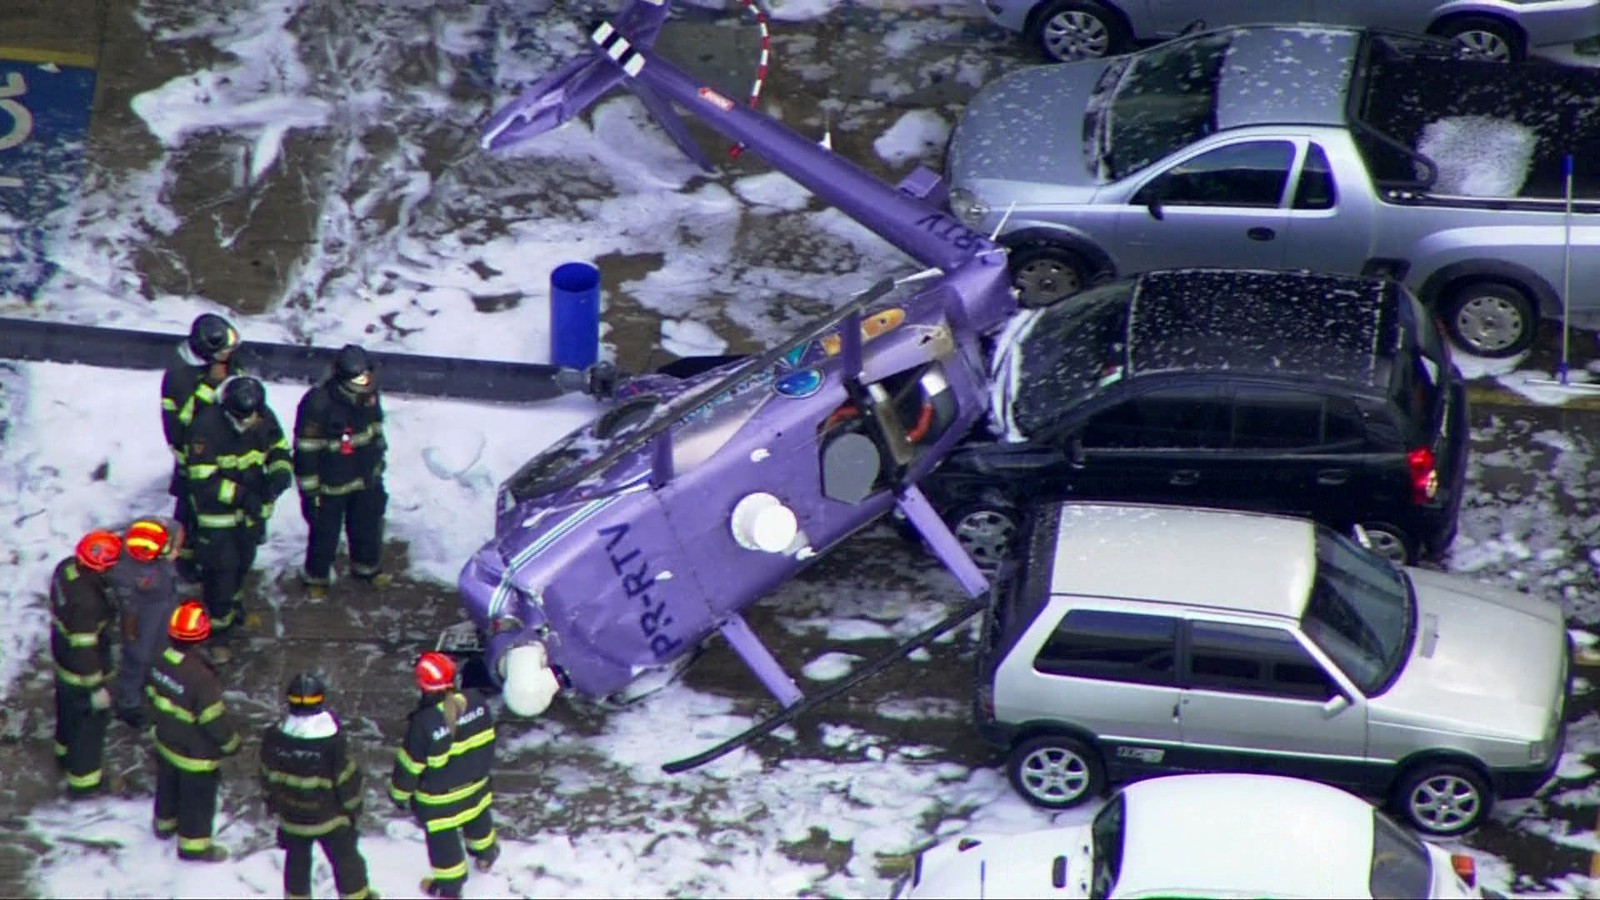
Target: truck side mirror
(1075,454)
(1334,705)
(1150,197)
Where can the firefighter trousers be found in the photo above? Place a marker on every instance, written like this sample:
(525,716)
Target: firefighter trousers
(186,805)
(80,739)
(224,556)
(359,516)
(339,846)
(445,854)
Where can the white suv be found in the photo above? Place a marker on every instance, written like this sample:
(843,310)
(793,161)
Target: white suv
(1136,639)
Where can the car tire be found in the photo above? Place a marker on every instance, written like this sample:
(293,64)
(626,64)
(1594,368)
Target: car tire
(1490,319)
(1482,37)
(1055,771)
(987,530)
(1389,542)
(1043,274)
(1444,799)
(1077,30)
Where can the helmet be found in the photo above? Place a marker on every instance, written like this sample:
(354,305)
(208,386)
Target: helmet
(189,623)
(352,368)
(98,550)
(435,672)
(145,539)
(305,693)
(211,335)
(243,395)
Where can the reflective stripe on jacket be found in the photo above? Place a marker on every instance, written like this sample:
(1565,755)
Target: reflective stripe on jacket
(442,768)
(193,729)
(81,614)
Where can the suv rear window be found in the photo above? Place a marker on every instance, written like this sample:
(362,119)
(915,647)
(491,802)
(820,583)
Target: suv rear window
(1401,867)
(1092,643)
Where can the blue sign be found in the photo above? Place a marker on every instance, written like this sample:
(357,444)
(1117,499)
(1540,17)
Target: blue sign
(44,126)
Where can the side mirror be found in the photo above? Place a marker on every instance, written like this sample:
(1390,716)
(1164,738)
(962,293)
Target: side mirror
(1149,197)
(1075,455)
(1361,536)
(1336,704)
(1194,27)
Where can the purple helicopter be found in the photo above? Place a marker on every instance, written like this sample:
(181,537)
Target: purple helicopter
(626,544)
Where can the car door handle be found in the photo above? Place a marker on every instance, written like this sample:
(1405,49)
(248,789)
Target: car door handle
(1184,478)
(1260,233)
(1333,476)
(1175,710)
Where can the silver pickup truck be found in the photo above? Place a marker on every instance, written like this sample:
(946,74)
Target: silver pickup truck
(1297,147)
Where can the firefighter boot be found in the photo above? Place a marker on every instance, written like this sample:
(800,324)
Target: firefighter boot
(486,859)
(211,854)
(432,889)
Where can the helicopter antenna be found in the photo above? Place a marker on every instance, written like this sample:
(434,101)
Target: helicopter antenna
(924,275)
(1003,220)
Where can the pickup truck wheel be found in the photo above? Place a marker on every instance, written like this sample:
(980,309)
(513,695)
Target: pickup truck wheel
(1045,273)
(1480,37)
(1443,798)
(1072,30)
(987,531)
(1054,771)
(1490,318)
(1388,541)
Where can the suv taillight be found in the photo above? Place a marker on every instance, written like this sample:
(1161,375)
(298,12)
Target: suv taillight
(1424,477)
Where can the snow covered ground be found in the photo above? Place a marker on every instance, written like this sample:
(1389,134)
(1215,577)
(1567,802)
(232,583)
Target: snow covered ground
(84,449)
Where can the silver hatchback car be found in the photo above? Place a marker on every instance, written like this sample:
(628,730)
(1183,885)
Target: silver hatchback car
(1137,640)
(1067,30)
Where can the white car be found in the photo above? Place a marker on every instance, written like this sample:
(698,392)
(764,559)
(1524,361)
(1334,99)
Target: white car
(1217,835)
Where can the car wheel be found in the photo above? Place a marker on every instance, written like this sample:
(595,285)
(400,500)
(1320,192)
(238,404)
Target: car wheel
(1074,30)
(1055,771)
(1388,541)
(987,531)
(1490,318)
(1481,37)
(1443,798)
(1044,273)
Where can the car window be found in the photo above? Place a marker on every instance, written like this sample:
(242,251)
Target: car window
(1401,866)
(1342,422)
(1315,189)
(1166,101)
(1252,173)
(1184,418)
(1361,612)
(1106,837)
(1273,418)
(1255,660)
(1092,643)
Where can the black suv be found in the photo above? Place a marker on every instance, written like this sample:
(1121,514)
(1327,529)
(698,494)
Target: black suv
(1326,396)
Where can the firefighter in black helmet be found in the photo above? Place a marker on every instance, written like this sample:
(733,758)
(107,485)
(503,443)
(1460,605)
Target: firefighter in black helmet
(339,450)
(313,786)
(238,466)
(205,359)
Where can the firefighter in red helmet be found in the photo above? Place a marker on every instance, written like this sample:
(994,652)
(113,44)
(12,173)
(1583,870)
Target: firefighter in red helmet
(82,610)
(441,774)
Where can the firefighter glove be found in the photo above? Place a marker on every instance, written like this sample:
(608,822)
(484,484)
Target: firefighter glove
(100,699)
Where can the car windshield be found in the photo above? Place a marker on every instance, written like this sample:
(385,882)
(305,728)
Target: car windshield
(1107,835)
(1360,611)
(1401,867)
(1165,101)
(1069,351)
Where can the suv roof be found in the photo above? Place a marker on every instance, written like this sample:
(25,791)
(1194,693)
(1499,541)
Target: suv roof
(1237,561)
(1328,326)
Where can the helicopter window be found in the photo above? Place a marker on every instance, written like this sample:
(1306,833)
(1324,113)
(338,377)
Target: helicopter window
(625,418)
(914,408)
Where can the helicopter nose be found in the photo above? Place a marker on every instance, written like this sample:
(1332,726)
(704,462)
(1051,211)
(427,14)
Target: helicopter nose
(530,683)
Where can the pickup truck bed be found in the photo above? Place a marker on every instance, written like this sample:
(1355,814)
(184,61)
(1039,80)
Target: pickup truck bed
(1561,106)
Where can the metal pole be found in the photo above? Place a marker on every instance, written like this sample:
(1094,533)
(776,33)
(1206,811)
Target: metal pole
(1566,268)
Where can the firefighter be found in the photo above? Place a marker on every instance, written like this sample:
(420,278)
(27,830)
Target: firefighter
(205,359)
(314,788)
(81,610)
(193,733)
(238,466)
(338,466)
(441,773)
(146,585)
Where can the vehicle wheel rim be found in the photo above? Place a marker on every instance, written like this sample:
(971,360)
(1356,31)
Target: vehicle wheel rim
(1055,774)
(1484,45)
(1076,35)
(986,535)
(1386,543)
(1045,281)
(1489,323)
(1445,803)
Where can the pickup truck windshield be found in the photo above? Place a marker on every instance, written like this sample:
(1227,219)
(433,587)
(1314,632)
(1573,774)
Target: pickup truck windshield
(1360,612)
(1165,101)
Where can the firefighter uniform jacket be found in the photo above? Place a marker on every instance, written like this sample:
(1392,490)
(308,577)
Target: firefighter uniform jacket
(184,391)
(310,782)
(235,477)
(338,442)
(81,636)
(442,769)
(193,729)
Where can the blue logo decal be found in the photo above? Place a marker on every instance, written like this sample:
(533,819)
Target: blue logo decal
(803,383)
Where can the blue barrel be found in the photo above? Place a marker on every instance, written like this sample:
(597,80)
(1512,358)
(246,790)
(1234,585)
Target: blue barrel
(575,315)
